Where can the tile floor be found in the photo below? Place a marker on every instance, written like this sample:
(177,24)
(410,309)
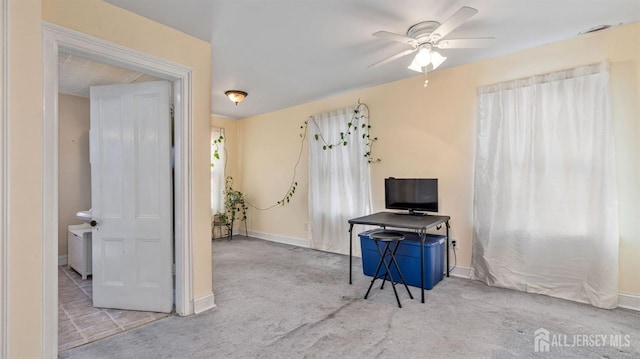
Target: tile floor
(80,323)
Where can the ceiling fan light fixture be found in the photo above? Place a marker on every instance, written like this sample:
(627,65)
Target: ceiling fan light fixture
(436,59)
(426,36)
(414,66)
(423,57)
(236,96)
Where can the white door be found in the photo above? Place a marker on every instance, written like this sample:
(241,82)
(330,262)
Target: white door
(131,195)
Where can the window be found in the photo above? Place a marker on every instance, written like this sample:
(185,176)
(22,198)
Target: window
(218,161)
(545,196)
(339,182)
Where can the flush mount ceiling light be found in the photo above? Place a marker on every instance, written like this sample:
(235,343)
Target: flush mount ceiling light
(236,96)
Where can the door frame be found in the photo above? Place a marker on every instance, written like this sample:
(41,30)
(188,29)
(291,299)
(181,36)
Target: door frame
(56,38)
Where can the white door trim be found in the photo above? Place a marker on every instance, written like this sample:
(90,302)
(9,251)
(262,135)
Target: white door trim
(4,176)
(56,38)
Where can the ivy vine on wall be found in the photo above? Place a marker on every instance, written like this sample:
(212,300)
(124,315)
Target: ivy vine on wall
(215,144)
(357,125)
(358,128)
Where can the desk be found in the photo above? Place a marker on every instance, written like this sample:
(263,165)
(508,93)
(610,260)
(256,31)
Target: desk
(404,221)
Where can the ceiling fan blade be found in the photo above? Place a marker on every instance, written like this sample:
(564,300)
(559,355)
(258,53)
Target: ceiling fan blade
(394,57)
(395,37)
(465,43)
(462,15)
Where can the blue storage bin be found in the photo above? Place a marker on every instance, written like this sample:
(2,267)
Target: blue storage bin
(408,257)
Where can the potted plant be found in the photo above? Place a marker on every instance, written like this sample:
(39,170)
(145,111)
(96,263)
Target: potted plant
(235,207)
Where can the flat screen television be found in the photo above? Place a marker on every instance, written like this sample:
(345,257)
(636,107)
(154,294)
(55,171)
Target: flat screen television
(412,194)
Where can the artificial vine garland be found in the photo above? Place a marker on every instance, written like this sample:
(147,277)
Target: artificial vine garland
(352,127)
(360,114)
(357,125)
(216,147)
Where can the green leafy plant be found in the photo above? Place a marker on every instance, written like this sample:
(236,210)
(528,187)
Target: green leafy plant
(235,206)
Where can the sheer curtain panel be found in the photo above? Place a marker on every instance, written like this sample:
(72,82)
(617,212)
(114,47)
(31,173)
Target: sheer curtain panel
(339,182)
(217,172)
(545,206)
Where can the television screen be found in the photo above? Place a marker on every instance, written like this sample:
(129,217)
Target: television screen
(412,194)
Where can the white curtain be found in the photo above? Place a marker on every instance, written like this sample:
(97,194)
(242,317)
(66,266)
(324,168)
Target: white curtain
(545,206)
(217,172)
(339,183)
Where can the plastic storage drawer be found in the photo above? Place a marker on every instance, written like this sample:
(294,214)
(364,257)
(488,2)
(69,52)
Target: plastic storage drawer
(408,257)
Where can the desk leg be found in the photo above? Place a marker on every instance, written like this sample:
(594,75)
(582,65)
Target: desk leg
(423,235)
(350,250)
(447,223)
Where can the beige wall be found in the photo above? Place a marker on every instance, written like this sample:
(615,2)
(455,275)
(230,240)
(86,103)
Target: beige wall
(113,24)
(25,187)
(430,132)
(74,169)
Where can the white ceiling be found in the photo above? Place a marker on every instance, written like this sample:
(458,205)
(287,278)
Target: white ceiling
(288,52)
(76,74)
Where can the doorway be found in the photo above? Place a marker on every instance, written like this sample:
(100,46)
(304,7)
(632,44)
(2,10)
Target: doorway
(85,316)
(56,39)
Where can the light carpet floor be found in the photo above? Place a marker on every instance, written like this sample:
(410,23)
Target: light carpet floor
(280,301)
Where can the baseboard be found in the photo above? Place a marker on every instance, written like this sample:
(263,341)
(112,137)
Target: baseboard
(299,242)
(461,272)
(629,301)
(203,303)
(62,260)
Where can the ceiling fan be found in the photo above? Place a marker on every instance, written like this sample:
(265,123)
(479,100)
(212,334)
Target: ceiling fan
(424,36)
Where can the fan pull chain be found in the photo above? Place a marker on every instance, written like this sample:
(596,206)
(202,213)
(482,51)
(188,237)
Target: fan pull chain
(426,80)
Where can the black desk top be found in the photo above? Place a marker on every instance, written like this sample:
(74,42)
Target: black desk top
(393,219)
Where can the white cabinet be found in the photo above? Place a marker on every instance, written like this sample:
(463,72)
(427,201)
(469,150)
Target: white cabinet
(79,249)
